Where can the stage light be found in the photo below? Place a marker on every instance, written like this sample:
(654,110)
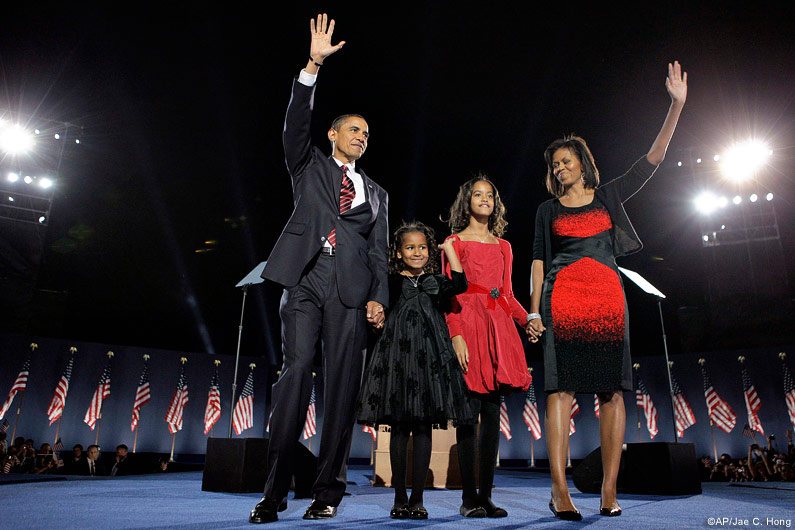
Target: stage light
(57,136)
(15,140)
(27,179)
(705,237)
(698,160)
(753,197)
(679,163)
(737,199)
(45,183)
(10,199)
(36,131)
(722,202)
(716,158)
(723,227)
(77,140)
(743,160)
(769,197)
(42,219)
(706,202)
(13,177)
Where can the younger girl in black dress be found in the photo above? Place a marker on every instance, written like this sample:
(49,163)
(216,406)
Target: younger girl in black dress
(414,381)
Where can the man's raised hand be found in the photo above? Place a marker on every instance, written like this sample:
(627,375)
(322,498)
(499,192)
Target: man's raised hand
(321,46)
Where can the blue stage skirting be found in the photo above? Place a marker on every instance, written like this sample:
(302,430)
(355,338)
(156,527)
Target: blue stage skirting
(175,501)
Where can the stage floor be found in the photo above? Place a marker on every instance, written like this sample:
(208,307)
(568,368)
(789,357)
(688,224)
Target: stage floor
(175,501)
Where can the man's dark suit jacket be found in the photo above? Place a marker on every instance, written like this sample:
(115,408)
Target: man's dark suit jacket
(362,237)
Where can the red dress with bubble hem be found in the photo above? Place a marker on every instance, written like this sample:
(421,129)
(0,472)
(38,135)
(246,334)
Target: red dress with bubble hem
(485,315)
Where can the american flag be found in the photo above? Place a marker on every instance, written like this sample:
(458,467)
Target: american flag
(789,392)
(177,405)
(505,424)
(752,403)
(530,413)
(213,410)
(100,394)
(7,465)
(683,414)
(4,426)
(643,400)
(596,405)
(58,446)
(19,386)
(748,432)
(371,430)
(142,396)
(720,412)
(310,427)
(243,418)
(58,401)
(575,409)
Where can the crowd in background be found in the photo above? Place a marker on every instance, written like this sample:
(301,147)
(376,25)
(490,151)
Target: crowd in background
(761,464)
(21,456)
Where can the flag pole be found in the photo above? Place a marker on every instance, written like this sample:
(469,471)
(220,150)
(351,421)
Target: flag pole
(16,419)
(637,412)
(702,362)
(135,440)
(532,454)
(173,441)
(72,351)
(33,347)
(99,413)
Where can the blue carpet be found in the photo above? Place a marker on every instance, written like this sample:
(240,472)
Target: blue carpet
(175,501)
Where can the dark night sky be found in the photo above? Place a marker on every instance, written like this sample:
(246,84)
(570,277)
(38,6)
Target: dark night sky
(182,109)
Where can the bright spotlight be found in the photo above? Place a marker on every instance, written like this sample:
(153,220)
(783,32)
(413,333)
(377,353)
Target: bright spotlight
(42,219)
(744,159)
(27,179)
(716,158)
(769,197)
(705,237)
(679,163)
(57,136)
(45,183)
(737,199)
(10,199)
(698,160)
(706,202)
(15,140)
(722,202)
(753,197)
(13,177)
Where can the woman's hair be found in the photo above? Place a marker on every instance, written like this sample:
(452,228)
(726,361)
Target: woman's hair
(396,264)
(460,212)
(578,148)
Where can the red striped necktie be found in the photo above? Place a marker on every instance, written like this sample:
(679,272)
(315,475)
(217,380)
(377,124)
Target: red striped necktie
(347,193)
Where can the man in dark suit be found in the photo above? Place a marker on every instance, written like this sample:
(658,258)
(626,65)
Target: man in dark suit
(91,465)
(332,260)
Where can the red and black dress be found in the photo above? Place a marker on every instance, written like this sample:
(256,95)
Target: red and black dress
(586,348)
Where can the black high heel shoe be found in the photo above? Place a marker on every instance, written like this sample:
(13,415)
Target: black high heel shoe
(568,515)
(609,512)
(399,511)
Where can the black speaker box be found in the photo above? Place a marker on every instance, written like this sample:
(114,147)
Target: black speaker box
(240,465)
(653,468)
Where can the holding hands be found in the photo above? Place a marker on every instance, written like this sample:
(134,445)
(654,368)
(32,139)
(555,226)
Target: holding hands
(534,329)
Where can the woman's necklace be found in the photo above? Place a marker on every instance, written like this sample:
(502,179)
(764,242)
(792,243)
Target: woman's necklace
(477,236)
(415,280)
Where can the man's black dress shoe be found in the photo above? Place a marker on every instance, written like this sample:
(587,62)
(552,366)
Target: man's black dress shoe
(320,510)
(265,510)
(568,515)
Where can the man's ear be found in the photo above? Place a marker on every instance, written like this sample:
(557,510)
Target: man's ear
(332,135)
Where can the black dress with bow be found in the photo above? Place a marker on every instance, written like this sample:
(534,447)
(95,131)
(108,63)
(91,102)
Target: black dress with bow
(413,375)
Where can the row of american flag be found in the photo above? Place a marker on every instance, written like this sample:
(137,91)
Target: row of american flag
(720,413)
(243,416)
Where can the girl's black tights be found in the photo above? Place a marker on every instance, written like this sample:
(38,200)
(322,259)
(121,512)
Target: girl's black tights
(488,446)
(398,456)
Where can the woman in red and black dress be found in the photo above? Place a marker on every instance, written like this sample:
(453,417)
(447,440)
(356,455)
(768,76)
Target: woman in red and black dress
(577,302)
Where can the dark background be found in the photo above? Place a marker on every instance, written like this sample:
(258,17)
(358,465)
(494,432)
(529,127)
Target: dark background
(179,188)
